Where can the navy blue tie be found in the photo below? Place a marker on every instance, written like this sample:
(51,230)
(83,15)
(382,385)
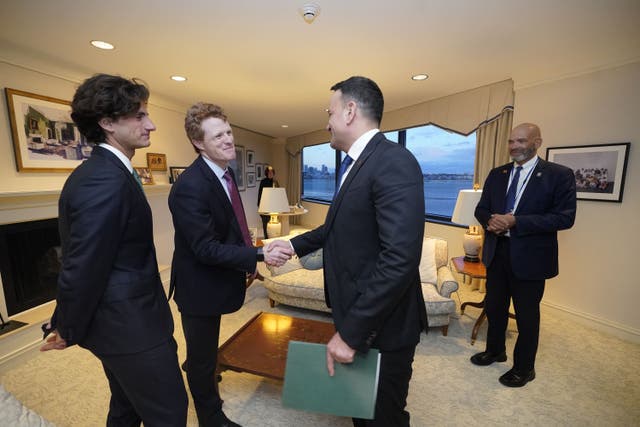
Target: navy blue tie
(343,168)
(510,199)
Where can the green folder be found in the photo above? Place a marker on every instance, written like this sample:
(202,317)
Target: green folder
(351,392)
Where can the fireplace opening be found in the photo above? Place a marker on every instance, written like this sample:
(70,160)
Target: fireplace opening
(30,257)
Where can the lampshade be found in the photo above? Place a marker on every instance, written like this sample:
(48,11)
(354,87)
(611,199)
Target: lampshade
(273,200)
(463,214)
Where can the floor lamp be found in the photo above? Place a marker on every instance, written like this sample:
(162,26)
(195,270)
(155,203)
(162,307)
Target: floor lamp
(273,202)
(463,214)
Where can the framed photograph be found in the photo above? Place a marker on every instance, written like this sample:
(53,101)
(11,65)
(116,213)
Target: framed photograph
(251,179)
(250,158)
(157,161)
(174,173)
(259,171)
(45,139)
(145,176)
(238,167)
(599,169)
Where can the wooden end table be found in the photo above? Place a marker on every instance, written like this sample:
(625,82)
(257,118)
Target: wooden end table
(260,346)
(475,270)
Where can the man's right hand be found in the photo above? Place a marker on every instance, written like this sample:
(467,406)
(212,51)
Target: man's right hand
(54,342)
(278,252)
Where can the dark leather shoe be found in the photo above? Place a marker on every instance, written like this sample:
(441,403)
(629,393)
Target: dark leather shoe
(221,420)
(486,358)
(514,378)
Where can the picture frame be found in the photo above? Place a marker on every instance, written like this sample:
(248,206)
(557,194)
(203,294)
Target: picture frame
(174,173)
(250,158)
(599,169)
(259,171)
(251,179)
(253,233)
(145,175)
(157,161)
(238,167)
(45,139)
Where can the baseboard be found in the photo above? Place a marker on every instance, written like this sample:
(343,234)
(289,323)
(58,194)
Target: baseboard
(604,325)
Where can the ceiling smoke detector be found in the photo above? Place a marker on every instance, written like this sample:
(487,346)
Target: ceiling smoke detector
(309,12)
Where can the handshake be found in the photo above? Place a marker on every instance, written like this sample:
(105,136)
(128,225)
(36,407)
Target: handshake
(278,252)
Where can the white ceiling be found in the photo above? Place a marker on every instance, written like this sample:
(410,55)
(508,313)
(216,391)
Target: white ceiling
(267,67)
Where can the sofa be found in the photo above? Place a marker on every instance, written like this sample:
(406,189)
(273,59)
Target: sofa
(300,282)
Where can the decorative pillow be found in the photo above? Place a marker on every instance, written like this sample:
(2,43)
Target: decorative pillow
(312,261)
(428,270)
(292,264)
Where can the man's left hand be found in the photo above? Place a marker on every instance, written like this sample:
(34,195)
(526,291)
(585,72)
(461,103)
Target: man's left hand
(338,351)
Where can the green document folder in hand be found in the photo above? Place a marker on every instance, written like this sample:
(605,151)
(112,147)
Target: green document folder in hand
(351,392)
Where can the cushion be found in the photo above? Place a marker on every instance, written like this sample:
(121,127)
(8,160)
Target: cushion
(428,270)
(312,261)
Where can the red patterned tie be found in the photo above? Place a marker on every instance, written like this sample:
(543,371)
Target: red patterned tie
(236,203)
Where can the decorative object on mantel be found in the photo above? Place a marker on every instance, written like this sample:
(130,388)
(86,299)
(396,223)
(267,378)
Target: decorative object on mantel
(599,169)
(45,139)
(145,176)
(157,161)
(174,173)
(463,214)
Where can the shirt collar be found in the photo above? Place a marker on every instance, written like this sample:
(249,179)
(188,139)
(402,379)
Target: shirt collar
(358,147)
(530,164)
(119,154)
(215,168)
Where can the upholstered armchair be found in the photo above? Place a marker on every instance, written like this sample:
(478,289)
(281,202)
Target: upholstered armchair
(438,282)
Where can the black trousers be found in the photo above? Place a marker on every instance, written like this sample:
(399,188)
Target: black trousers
(146,387)
(265,221)
(201,335)
(393,388)
(502,286)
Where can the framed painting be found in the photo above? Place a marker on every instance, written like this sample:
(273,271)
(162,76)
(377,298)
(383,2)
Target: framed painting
(145,176)
(45,139)
(251,179)
(157,161)
(250,158)
(259,171)
(174,173)
(238,167)
(599,170)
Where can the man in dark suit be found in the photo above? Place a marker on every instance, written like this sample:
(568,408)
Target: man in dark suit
(523,205)
(110,297)
(213,252)
(372,241)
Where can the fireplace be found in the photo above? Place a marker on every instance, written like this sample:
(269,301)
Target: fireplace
(30,257)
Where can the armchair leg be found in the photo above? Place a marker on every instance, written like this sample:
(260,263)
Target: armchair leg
(445,330)
(272,303)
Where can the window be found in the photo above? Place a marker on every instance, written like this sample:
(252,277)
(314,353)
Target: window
(446,158)
(318,172)
(447,162)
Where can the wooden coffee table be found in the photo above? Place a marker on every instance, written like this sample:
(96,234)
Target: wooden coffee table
(260,346)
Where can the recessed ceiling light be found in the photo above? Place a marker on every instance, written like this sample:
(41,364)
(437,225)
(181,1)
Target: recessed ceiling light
(419,77)
(179,78)
(284,126)
(102,45)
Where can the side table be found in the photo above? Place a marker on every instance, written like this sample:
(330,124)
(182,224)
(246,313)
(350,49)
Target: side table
(475,270)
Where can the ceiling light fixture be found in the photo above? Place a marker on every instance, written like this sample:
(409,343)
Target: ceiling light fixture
(102,45)
(309,12)
(178,78)
(419,77)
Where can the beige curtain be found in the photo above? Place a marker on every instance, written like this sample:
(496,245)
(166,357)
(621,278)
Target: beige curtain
(294,177)
(492,141)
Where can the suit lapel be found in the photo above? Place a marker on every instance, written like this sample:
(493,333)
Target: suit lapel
(533,184)
(113,159)
(216,186)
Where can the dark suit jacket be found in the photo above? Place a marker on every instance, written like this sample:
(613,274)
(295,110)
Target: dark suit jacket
(110,297)
(210,259)
(548,204)
(372,240)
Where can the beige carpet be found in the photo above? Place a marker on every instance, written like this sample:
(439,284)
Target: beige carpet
(585,378)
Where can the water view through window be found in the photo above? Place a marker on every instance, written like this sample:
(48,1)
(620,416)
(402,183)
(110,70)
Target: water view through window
(446,158)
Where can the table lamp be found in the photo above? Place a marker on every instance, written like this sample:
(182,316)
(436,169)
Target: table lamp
(273,202)
(463,214)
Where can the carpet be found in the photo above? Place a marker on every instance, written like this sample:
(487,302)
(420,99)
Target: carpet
(584,378)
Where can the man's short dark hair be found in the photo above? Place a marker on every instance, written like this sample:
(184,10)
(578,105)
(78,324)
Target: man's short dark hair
(366,93)
(104,95)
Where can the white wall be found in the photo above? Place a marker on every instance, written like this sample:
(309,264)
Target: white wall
(598,278)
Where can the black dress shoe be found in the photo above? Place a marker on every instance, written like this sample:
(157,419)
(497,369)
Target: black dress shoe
(221,420)
(514,378)
(486,358)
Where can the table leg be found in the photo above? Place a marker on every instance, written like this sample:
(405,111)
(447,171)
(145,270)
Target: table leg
(472,304)
(476,327)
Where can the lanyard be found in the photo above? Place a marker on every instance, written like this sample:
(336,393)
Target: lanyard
(524,183)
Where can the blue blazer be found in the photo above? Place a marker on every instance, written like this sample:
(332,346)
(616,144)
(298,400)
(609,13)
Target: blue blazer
(547,204)
(372,240)
(210,259)
(110,298)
